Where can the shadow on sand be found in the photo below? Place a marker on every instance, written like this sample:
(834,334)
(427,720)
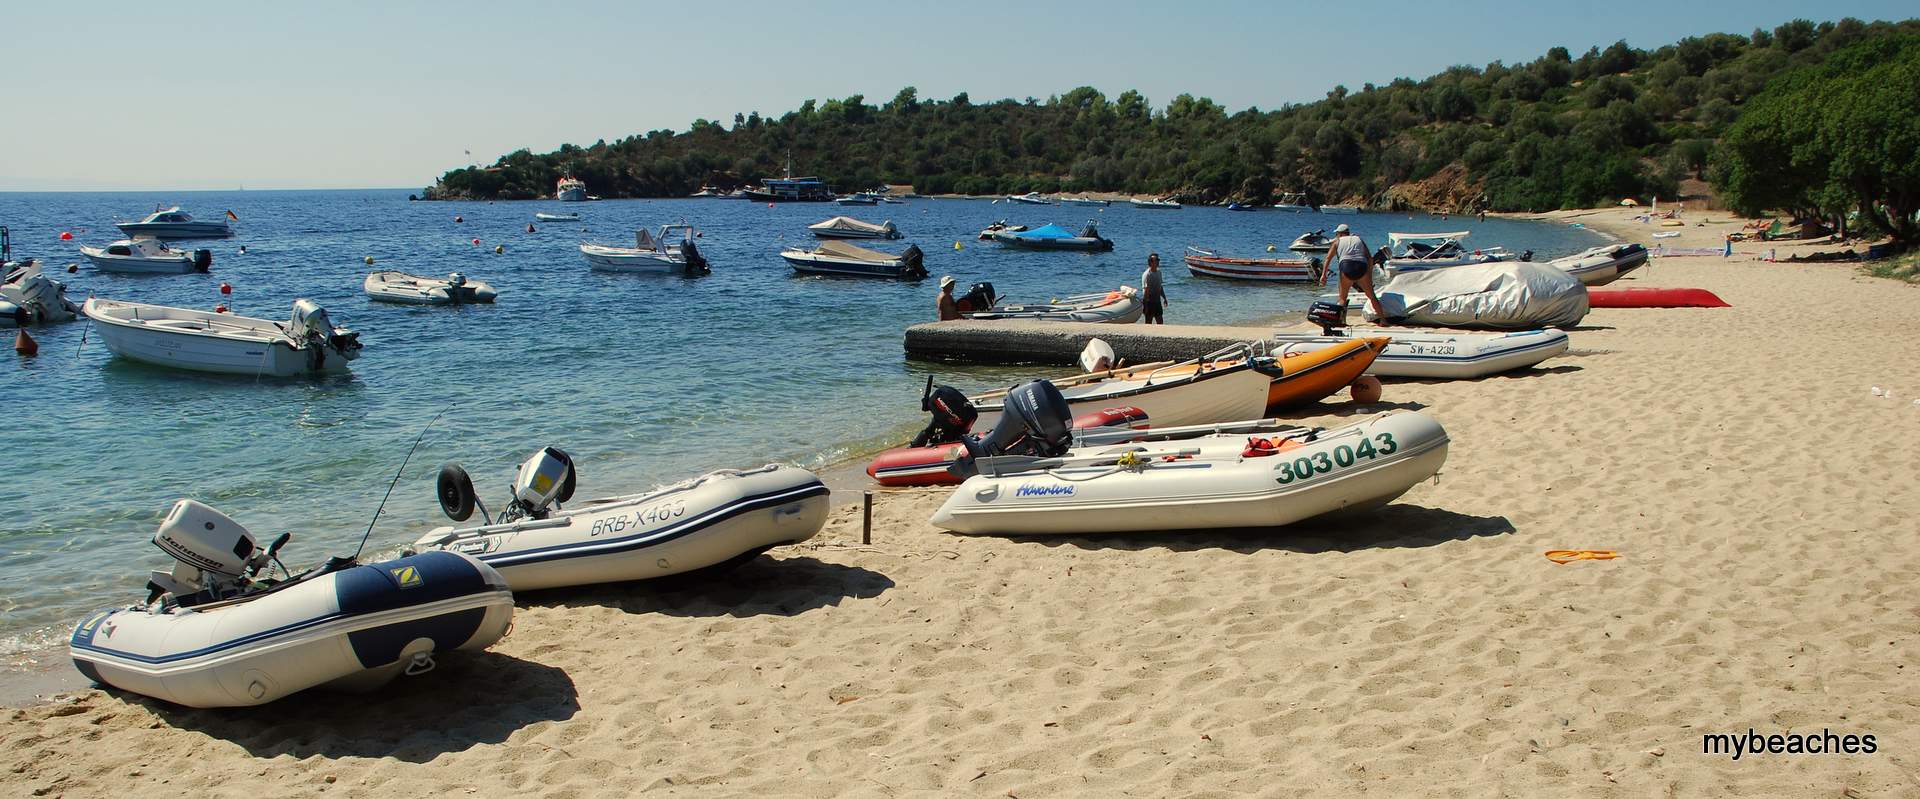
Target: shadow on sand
(763,586)
(470,698)
(1393,527)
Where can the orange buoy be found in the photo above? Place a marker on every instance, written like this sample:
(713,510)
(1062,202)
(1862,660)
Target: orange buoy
(1366,389)
(24,344)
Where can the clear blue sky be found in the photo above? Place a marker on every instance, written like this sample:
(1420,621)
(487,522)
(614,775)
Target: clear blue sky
(212,95)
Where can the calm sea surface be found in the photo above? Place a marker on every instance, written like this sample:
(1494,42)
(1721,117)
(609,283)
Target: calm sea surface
(644,379)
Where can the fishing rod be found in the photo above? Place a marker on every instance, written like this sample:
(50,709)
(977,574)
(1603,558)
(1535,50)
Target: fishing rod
(396,481)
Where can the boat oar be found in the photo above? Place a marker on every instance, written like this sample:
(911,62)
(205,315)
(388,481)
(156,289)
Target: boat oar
(1015,464)
(1097,436)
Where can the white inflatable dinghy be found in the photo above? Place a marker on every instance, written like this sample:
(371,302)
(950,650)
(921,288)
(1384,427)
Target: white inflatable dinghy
(454,289)
(211,634)
(1210,482)
(1435,354)
(718,519)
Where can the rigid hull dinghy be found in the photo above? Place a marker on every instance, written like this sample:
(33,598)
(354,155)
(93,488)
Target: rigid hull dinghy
(1207,263)
(199,341)
(841,258)
(650,254)
(28,297)
(147,255)
(454,289)
(214,634)
(717,519)
(1299,377)
(1202,483)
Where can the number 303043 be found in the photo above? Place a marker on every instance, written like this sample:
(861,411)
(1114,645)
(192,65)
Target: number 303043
(1340,457)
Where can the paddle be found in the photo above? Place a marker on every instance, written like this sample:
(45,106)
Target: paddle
(1015,464)
(1097,436)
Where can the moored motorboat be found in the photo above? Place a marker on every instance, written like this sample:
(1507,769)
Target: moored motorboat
(650,254)
(1030,198)
(1191,485)
(173,223)
(1312,241)
(1054,237)
(1603,264)
(200,341)
(400,287)
(1159,205)
(546,217)
(1208,263)
(1086,201)
(1120,306)
(846,227)
(570,189)
(988,233)
(1294,203)
(841,258)
(1340,209)
(858,198)
(791,189)
(29,297)
(718,519)
(214,633)
(1654,298)
(1434,354)
(147,255)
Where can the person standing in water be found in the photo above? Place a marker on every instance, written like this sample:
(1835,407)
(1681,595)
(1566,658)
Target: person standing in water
(1152,293)
(949,309)
(1350,253)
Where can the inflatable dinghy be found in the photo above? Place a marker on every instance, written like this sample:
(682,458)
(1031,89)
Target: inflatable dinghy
(454,289)
(1430,354)
(717,519)
(214,634)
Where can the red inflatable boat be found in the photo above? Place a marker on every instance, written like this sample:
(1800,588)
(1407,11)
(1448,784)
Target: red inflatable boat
(932,465)
(1653,298)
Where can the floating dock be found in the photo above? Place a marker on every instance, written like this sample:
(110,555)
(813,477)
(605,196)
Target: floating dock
(1059,343)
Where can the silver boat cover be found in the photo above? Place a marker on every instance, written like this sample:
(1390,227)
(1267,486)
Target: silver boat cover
(1507,295)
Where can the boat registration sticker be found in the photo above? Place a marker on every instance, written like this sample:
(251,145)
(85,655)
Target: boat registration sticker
(1325,461)
(407,577)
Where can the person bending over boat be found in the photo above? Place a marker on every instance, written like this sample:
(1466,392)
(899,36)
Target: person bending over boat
(1152,294)
(949,309)
(1356,266)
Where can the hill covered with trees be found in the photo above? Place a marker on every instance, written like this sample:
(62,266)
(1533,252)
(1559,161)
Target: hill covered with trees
(1559,131)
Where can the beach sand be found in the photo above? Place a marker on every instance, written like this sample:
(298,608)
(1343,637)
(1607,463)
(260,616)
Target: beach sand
(1759,496)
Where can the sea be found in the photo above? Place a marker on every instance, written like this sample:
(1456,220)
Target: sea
(643,379)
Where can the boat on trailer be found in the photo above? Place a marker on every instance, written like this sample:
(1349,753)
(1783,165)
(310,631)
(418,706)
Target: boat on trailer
(1207,263)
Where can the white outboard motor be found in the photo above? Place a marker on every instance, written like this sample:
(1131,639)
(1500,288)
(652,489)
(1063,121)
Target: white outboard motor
(456,280)
(215,557)
(544,480)
(314,330)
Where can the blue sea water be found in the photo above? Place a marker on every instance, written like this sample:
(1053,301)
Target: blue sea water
(644,379)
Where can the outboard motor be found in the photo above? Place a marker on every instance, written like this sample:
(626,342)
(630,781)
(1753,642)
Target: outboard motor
(311,327)
(696,263)
(1526,256)
(215,557)
(912,262)
(540,484)
(953,415)
(457,290)
(1328,315)
(979,297)
(1381,255)
(202,260)
(1035,420)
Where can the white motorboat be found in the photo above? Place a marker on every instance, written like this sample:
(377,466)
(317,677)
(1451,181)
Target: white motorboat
(214,632)
(147,255)
(1227,385)
(1293,203)
(1086,201)
(570,189)
(28,297)
(846,227)
(1420,252)
(454,289)
(1030,198)
(546,217)
(650,254)
(1340,209)
(1603,264)
(841,258)
(719,519)
(1312,241)
(1154,204)
(1200,483)
(173,223)
(1121,306)
(858,198)
(224,343)
(1433,354)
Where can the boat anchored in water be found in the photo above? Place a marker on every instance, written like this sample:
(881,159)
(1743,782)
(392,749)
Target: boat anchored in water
(1160,204)
(650,254)
(1208,263)
(173,223)
(717,520)
(1030,198)
(1086,201)
(218,631)
(147,255)
(841,258)
(199,341)
(1420,252)
(400,287)
(1314,241)
(546,217)
(28,297)
(1053,237)
(570,189)
(846,227)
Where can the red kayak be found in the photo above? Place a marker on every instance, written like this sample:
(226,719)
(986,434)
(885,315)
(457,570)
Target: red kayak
(932,465)
(1653,298)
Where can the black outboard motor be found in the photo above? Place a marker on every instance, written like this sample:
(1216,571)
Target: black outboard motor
(696,263)
(912,262)
(202,260)
(980,297)
(1329,316)
(1526,256)
(1035,420)
(1381,255)
(953,415)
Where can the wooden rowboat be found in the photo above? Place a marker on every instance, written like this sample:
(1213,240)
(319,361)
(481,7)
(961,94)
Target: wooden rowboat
(1207,263)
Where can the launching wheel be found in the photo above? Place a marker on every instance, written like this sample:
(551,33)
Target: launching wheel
(455,490)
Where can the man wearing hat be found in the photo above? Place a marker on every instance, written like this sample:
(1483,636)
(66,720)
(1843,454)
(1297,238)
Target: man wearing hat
(1356,266)
(948,308)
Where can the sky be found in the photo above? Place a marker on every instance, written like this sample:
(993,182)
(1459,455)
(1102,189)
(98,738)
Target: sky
(112,95)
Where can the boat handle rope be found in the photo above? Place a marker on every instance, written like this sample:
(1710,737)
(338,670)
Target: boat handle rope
(421,663)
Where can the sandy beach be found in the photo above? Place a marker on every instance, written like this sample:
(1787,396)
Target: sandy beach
(1756,490)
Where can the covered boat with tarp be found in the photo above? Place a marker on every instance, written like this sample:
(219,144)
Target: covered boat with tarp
(1055,237)
(846,227)
(842,258)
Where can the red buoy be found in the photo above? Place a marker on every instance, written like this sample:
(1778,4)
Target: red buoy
(226,289)
(219,309)
(476,241)
(24,344)
(66,235)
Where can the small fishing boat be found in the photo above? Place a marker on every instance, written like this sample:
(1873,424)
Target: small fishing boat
(570,189)
(28,297)
(650,254)
(1293,203)
(173,223)
(1420,252)
(1227,385)
(1603,264)
(846,227)
(1054,237)
(1086,201)
(546,217)
(400,287)
(147,255)
(791,190)
(1340,209)
(215,632)
(1314,241)
(719,519)
(1300,377)
(1030,198)
(1654,298)
(1242,207)
(841,258)
(1181,486)
(861,198)
(1207,263)
(199,341)
(1434,354)
(1159,205)
(1120,306)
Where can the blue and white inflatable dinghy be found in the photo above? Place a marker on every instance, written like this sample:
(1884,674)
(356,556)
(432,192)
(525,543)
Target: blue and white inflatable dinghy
(214,633)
